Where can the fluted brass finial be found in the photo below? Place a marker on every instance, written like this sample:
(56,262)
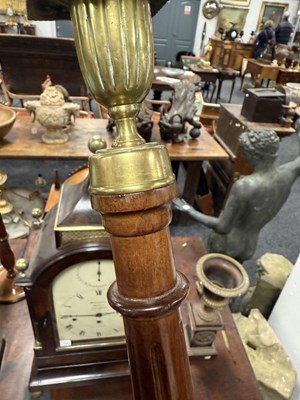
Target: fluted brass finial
(115,50)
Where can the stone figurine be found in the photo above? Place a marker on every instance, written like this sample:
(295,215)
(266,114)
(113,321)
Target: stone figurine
(54,113)
(173,122)
(253,200)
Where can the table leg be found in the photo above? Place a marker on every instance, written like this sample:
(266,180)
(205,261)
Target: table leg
(242,80)
(213,92)
(2,347)
(156,96)
(220,82)
(232,87)
(193,173)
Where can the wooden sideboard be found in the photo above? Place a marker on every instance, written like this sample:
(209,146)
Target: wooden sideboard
(27,60)
(229,54)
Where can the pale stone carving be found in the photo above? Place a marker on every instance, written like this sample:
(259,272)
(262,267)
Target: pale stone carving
(272,367)
(272,273)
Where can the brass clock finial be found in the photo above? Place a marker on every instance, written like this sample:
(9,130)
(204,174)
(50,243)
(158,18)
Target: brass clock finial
(37,215)
(22,266)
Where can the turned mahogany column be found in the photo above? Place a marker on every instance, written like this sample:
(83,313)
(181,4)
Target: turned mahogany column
(132,185)
(148,291)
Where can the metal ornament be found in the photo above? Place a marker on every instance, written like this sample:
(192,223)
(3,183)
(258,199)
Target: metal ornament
(210,9)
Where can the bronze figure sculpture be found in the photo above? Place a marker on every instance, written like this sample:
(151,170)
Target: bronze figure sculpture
(253,200)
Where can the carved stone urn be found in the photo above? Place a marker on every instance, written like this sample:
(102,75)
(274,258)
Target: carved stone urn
(53,113)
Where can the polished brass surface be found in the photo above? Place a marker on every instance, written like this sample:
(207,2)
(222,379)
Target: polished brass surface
(22,266)
(5,207)
(115,50)
(130,170)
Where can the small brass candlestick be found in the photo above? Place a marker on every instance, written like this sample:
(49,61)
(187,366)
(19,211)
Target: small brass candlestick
(9,293)
(5,206)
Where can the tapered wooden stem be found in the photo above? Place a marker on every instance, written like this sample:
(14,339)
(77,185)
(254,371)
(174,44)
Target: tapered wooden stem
(148,292)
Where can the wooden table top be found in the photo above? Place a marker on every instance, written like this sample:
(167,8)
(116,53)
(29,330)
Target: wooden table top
(225,376)
(235,111)
(160,80)
(21,143)
(255,62)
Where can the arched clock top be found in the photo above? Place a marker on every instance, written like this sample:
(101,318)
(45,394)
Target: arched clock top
(45,269)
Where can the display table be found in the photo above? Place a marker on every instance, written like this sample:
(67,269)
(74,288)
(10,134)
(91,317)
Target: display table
(223,377)
(260,71)
(216,74)
(21,143)
(226,74)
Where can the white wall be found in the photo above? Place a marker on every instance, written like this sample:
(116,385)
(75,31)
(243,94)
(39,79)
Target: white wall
(285,320)
(251,22)
(45,28)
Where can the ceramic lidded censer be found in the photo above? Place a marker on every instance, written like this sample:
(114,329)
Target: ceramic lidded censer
(53,113)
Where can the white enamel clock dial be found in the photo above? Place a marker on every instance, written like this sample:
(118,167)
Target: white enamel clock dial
(81,309)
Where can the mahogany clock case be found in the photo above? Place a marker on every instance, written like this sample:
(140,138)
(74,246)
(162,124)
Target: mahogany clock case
(88,360)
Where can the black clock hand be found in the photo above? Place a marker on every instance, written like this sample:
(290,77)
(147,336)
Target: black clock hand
(86,315)
(99,272)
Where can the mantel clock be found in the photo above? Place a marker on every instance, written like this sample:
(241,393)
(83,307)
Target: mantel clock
(78,336)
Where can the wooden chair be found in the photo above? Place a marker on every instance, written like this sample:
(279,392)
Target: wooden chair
(27,60)
(208,113)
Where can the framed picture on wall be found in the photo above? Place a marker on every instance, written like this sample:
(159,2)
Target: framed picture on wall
(236,3)
(16,7)
(231,17)
(271,11)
